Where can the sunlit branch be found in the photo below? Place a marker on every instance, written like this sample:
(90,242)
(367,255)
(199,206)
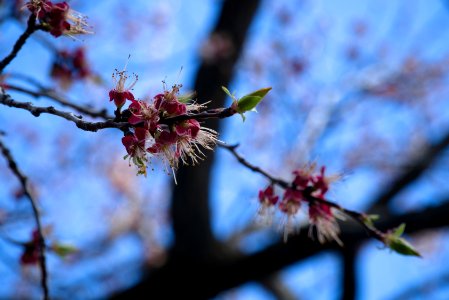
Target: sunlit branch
(27,191)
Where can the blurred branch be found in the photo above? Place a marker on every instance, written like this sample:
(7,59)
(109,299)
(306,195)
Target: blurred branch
(349,256)
(424,288)
(27,191)
(84,125)
(416,168)
(277,287)
(299,247)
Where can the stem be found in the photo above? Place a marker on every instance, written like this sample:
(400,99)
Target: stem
(25,185)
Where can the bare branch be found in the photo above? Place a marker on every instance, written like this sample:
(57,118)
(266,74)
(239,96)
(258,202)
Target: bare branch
(27,191)
(49,93)
(36,111)
(416,168)
(31,27)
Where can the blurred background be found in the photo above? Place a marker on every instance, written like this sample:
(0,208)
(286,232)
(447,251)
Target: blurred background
(358,86)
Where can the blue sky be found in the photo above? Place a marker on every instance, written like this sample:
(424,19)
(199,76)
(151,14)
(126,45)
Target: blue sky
(319,32)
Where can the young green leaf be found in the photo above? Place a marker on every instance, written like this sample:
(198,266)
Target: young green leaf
(228,93)
(393,240)
(260,93)
(401,246)
(250,101)
(399,230)
(63,249)
(247,103)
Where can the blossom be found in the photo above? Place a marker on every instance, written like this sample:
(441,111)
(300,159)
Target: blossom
(268,201)
(69,66)
(143,112)
(121,93)
(321,183)
(290,205)
(168,103)
(59,19)
(303,176)
(267,196)
(165,145)
(323,218)
(136,145)
(172,141)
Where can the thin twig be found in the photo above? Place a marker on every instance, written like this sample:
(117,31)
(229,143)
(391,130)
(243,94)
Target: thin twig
(31,27)
(84,125)
(26,188)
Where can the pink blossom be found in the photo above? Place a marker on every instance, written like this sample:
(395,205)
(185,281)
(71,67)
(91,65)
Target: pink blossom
(323,218)
(121,93)
(59,19)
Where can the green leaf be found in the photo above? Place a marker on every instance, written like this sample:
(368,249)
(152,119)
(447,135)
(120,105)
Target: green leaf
(260,93)
(395,242)
(250,101)
(399,230)
(63,249)
(247,103)
(369,219)
(228,93)
(401,246)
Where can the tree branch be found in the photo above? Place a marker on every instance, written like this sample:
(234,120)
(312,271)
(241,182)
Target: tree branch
(36,111)
(31,27)
(414,171)
(48,93)
(25,185)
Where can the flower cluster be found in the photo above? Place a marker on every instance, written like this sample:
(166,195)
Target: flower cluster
(69,66)
(307,187)
(59,19)
(171,141)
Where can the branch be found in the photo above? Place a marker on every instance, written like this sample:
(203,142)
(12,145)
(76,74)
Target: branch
(216,113)
(361,218)
(25,185)
(48,93)
(349,257)
(415,170)
(36,111)
(31,27)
